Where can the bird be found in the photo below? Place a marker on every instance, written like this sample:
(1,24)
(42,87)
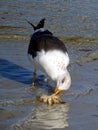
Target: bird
(49,54)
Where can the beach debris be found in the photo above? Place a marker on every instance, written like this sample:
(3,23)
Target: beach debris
(50,100)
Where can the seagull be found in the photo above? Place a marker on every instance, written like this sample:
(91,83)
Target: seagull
(49,54)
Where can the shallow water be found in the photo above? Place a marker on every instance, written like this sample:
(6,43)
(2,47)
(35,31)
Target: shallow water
(18,104)
(75,22)
(65,17)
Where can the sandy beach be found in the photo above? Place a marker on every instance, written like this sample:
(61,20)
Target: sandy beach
(19,108)
(18,104)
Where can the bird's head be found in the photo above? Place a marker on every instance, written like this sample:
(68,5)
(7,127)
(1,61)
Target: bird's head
(63,83)
(39,25)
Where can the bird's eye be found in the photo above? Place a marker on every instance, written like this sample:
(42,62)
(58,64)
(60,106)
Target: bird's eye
(63,80)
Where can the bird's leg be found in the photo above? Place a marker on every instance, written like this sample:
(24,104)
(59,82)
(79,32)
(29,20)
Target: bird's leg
(33,81)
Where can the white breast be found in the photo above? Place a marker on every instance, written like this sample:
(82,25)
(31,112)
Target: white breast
(53,62)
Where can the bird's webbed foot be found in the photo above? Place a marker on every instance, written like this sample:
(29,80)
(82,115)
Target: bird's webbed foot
(33,86)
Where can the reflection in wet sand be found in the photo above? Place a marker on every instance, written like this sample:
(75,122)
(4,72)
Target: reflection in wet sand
(46,117)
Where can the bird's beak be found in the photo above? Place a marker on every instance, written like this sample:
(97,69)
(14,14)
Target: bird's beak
(56,91)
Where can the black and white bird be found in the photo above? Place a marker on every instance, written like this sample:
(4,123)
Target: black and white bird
(49,55)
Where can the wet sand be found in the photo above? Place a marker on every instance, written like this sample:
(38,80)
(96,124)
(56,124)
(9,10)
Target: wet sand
(76,23)
(19,107)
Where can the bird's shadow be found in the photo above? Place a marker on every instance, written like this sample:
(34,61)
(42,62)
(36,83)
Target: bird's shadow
(20,74)
(15,72)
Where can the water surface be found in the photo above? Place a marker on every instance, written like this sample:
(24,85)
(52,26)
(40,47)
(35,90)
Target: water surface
(76,23)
